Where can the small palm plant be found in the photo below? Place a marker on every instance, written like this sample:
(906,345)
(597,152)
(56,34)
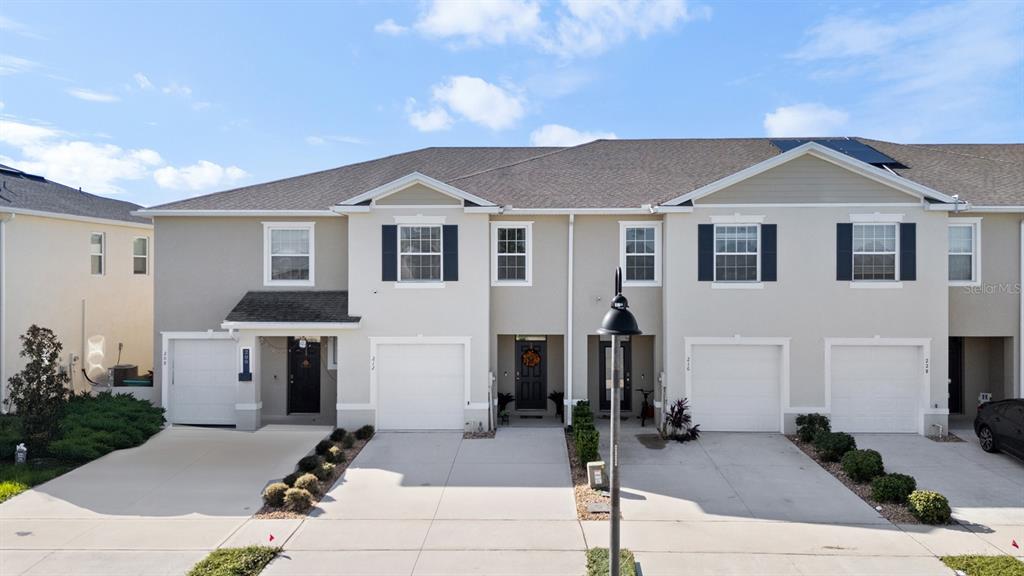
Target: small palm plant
(678,418)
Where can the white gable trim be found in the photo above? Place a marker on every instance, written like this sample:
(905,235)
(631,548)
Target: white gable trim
(409,180)
(823,153)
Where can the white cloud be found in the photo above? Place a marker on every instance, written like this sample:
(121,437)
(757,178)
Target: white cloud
(390,28)
(476,23)
(575,28)
(10,65)
(178,90)
(201,105)
(321,140)
(8,25)
(142,81)
(432,120)
(808,119)
(480,101)
(92,95)
(558,135)
(202,175)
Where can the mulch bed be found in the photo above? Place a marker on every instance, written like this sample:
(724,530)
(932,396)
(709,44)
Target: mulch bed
(949,437)
(585,495)
(895,513)
(273,513)
(477,435)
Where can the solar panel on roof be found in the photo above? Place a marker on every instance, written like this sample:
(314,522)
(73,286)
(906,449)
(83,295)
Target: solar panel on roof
(848,146)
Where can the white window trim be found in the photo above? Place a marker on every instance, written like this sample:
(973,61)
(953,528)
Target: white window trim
(896,281)
(134,256)
(270,226)
(400,283)
(102,254)
(975,225)
(623,225)
(495,226)
(736,284)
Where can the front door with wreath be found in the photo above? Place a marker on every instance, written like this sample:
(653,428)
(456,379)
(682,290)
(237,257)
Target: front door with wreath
(531,375)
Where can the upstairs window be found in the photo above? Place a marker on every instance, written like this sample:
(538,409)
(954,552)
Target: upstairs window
(97,253)
(737,253)
(639,253)
(964,265)
(874,251)
(288,253)
(511,259)
(419,253)
(140,255)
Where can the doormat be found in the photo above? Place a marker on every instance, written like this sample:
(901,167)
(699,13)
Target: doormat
(527,417)
(651,441)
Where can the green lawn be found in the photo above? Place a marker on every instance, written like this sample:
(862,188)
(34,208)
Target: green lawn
(597,562)
(248,561)
(16,479)
(985,565)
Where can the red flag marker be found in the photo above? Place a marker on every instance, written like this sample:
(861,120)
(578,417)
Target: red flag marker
(1014,544)
(272,539)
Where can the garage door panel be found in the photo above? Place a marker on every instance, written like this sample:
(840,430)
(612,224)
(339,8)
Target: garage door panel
(736,387)
(204,382)
(420,386)
(875,388)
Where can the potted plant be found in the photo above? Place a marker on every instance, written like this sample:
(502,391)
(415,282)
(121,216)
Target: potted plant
(559,399)
(504,399)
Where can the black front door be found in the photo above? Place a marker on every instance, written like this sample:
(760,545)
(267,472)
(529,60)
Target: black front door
(604,364)
(956,375)
(303,376)
(531,375)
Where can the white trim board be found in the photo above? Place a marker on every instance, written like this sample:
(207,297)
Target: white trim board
(268,229)
(235,213)
(822,153)
(59,216)
(497,225)
(975,225)
(409,180)
(658,251)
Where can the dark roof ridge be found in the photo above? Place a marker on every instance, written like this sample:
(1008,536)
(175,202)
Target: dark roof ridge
(530,159)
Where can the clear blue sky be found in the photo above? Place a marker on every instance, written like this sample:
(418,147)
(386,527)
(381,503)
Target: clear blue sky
(154,102)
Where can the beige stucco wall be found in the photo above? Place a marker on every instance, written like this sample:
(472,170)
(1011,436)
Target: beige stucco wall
(208,264)
(49,281)
(807,303)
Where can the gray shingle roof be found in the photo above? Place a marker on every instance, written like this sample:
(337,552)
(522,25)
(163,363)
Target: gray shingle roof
(616,174)
(292,306)
(24,191)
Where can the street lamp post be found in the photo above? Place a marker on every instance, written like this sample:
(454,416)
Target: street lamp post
(618,322)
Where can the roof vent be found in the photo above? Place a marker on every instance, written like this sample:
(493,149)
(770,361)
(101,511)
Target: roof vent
(849,146)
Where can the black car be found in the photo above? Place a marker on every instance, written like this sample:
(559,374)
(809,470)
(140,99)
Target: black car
(1000,426)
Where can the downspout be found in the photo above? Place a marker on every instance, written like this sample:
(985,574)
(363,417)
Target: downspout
(1020,326)
(568,329)
(3,309)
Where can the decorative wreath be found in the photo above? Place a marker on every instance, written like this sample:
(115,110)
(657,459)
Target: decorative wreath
(530,358)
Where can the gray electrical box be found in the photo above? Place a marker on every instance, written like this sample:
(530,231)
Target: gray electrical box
(597,475)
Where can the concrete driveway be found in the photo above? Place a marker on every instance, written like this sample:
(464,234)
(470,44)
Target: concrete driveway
(433,503)
(154,509)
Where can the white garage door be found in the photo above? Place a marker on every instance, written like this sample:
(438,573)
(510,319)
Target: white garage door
(876,388)
(204,382)
(736,387)
(420,386)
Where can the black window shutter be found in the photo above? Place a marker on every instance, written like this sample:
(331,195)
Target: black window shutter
(844,251)
(769,258)
(450,256)
(908,251)
(389,253)
(705,252)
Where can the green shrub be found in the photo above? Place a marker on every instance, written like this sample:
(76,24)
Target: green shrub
(309,463)
(831,446)
(298,499)
(273,494)
(581,415)
(309,483)
(587,441)
(597,562)
(10,436)
(348,441)
(364,433)
(248,561)
(985,565)
(40,391)
(95,425)
(892,488)
(808,426)
(335,455)
(10,489)
(291,478)
(324,471)
(16,478)
(322,447)
(929,507)
(338,434)
(862,465)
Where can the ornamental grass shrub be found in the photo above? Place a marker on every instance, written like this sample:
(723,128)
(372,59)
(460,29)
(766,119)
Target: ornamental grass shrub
(273,494)
(809,425)
(893,488)
(862,465)
(831,446)
(929,507)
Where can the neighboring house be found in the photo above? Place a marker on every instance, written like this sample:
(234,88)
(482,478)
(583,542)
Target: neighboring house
(80,265)
(862,279)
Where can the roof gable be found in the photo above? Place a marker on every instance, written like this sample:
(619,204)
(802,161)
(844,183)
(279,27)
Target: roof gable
(415,182)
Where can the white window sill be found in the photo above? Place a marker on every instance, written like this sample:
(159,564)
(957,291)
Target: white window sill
(414,285)
(964,283)
(876,284)
(737,285)
(499,283)
(288,283)
(636,284)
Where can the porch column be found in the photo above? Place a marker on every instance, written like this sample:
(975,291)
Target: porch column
(247,403)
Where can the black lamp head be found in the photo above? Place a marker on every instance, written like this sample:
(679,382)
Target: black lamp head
(619,321)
